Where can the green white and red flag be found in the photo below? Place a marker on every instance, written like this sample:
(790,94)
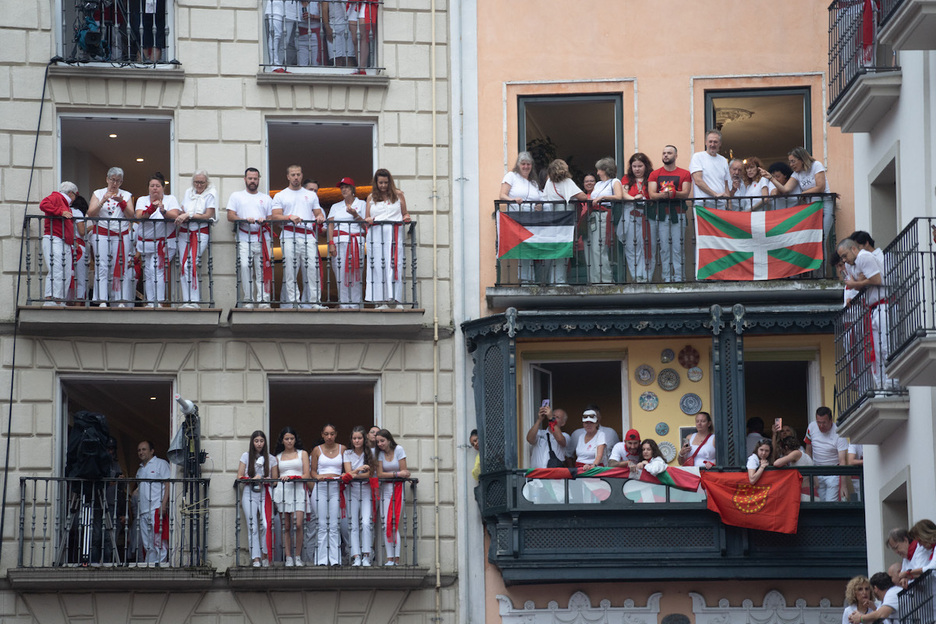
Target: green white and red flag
(536,235)
(673,477)
(762,245)
(617,472)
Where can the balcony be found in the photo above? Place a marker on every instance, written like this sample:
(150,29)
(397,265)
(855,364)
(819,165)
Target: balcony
(870,404)
(864,79)
(915,605)
(628,534)
(908,24)
(321,42)
(78,533)
(911,317)
(337,574)
(654,264)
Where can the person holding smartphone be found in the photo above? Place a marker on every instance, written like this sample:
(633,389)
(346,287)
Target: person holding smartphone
(699,448)
(545,434)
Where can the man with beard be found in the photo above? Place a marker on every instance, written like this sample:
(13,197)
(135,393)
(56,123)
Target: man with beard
(669,185)
(299,209)
(251,211)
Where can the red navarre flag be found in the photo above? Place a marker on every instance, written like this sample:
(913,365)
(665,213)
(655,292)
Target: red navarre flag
(771,504)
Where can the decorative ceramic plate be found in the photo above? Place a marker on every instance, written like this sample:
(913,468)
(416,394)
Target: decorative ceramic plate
(649,401)
(668,379)
(667,356)
(694,374)
(668,450)
(690,404)
(645,374)
(689,357)
(662,428)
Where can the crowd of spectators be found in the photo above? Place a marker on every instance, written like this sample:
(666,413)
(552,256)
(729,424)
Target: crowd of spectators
(138,244)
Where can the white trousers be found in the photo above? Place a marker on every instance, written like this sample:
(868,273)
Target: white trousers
(385,253)
(360,507)
(107,252)
(307,49)
(257,524)
(670,237)
(392,548)
(82,258)
(328,510)
(250,260)
(300,252)
(188,276)
(596,248)
(280,34)
(156,549)
(57,257)
(349,280)
(827,488)
(154,273)
(881,348)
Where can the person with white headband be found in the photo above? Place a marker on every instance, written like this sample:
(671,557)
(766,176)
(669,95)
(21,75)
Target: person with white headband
(611,436)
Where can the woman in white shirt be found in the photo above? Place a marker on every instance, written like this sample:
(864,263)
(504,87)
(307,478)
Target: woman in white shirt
(651,458)
(591,447)
(391,464)
(157,240)
(786,188)
(359,465)
(326,463)
(520,186)
(699,448)
(256,464)
(558,191)
(600,237)
(753,186)
(197,213)
(811,176)
(759,460)
(858,597)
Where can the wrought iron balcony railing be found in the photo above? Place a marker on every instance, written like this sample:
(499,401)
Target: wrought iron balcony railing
(861,350)
(117,32)
(622,242)
(853,46)
(94,523)
(116,263)
(910,273)
(368,524)
(373,266)
(915,605)
(335,34)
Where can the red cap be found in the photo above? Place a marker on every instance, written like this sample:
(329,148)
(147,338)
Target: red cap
(347,181)
(632,435)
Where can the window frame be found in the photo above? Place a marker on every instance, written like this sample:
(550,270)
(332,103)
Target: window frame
(805,90)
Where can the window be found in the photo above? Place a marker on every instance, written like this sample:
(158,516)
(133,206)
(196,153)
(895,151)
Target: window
(327,151)
(116,33)
(546,132)
(883,196)
(766,123)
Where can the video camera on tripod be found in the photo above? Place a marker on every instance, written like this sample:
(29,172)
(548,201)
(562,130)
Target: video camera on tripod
(90,37)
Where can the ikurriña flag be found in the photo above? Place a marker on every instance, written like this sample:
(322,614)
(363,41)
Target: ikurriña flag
(673,477)
(771,504)
(536,235)
(763,245)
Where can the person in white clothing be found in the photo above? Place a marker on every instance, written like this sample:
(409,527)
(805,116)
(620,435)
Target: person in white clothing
(520,186)
(599,240)
(651,458)
(590,449)
(391,464)
(255,465)
(754,187)
(790,454)
(869,274)
(198,211)
(711,180)
(886,592)
(826,448)
(326,463)
(611,436)
(386,252)
(699,448)
(309,41)
(153,506)
(546,434)
(626,453)
(336,18)
(784,188)
(358,469)
(289,496)
(81,256)
(812,178)
(558,191)
(156,242)
(281,17)
(759,460)
(301,214)
(346,244)
(110,238)
(57,240)
(858,597)
(251,211)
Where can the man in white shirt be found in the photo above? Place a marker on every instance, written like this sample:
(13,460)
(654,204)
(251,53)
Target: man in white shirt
(626,453)
(251,211)
(153,508)
(542,439)
(886,592)
(827,448)
(710,176)
(301,213)
(869,272)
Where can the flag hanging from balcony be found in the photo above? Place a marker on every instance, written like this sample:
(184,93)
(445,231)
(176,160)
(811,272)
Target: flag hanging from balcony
(535,235)
(764,245)
(673,477)
(771,504)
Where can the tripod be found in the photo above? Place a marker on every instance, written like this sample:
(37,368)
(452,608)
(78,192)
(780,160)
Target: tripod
(81,510)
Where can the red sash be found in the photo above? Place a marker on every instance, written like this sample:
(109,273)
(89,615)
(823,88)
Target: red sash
(268,514)
(191,254)
(352,268)
(263,233)
(393,512)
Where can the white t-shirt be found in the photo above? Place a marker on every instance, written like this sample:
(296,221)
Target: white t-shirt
(258,464)
(301,203)
(825,446)
(350,457)
(392,464)
(521,187)
(868,265)
(706,455)
(890,600)
(611,439)
(920,558)
(585,451)
(562,192)
(198,203)
(250,206)
(539,452)
(714,173)
(603,188)
(753,462)
(111,209)
(344,221)
(151,493)
(160,228)
(619,453)
(857,450)
(807,179)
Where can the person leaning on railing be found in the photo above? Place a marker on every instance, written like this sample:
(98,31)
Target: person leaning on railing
(601,222)
(520,186)
(156,240)
(759,460)
(110,240)
(924,534)
(812,178)
(199,206)
(391,464)
(784,184)
(386,214)
(57,240)
(885,591)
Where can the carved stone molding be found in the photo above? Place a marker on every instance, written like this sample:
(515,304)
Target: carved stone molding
(581,611)
(774,610)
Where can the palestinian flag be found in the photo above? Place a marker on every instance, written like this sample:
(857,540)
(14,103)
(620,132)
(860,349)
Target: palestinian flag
(535,235)
(673,477)
(758,245)
(771,504)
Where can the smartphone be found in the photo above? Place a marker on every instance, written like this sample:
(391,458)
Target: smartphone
(778,423)
(545,403)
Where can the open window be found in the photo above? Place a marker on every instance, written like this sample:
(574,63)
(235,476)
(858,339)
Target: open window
(766,123)
(547,130)
(132,33)
(782,384)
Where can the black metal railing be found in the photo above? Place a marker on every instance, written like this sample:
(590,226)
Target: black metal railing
(619,242)
(116,263)
(364,525)
(329,33)
(80,522)
(910,273)
(915,605)
(373,266)
(119,32)
(853,46)
(887,8)
(861,350)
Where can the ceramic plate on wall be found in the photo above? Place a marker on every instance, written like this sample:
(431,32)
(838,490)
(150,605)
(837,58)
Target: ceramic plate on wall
(649,401)
(645,374)
(667,356)
(668,379)
(690,403)
(668,450)
(689,357)
(694,374)
(662,428)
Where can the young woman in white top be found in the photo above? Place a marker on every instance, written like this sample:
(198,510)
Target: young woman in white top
(790,454)
(521,187)
(600,238)
(651,458)
(358,462)
(257,463)
(391,464)
(198,211)
(293,462)
(759,460)
(558,191)
(157,239)
(699,448)
(326,464)
(386,214)
(754,186)
(811,176)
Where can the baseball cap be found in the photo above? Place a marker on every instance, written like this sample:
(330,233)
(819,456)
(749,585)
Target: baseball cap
(632,435)
(347,181)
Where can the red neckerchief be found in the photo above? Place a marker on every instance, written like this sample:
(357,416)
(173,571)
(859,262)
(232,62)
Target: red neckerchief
(393,512)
